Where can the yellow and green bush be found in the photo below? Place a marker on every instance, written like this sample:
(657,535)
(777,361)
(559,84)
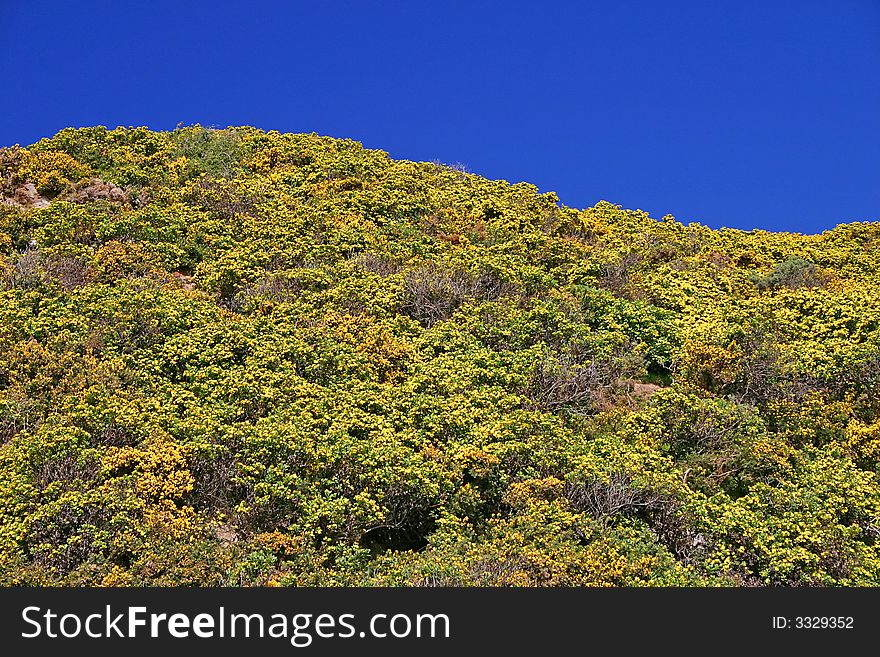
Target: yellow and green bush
(237,357)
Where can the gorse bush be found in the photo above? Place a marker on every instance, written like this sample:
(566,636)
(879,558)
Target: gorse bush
(432,293)
(236,357)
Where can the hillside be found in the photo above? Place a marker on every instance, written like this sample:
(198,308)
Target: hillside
(233,357)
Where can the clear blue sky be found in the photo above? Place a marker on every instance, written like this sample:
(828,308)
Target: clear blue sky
(742,113)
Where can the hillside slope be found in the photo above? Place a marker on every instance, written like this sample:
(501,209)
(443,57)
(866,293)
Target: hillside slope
(236,357)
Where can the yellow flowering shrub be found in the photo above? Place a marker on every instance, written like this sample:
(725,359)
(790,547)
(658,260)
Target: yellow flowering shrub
(237,357)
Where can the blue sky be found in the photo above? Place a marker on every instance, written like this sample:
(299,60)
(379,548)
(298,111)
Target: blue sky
(740,113)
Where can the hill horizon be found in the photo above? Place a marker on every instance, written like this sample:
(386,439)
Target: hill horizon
(456,164)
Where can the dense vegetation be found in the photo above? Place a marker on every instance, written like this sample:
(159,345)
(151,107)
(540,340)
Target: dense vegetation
(242,358)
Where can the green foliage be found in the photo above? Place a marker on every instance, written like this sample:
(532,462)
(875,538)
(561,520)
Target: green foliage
(236,357)
(794,272)
(208,151)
